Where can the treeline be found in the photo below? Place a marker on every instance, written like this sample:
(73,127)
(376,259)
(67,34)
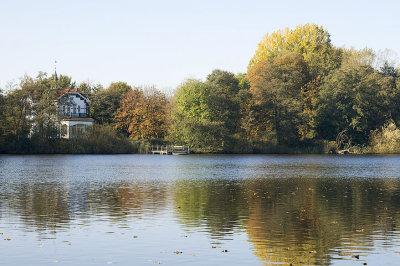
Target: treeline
(300,94)
(29,120)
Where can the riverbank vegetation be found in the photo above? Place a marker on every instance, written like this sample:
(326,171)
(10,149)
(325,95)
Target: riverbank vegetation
(301,94)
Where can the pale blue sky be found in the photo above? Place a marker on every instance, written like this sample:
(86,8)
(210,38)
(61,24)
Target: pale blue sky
(162,43)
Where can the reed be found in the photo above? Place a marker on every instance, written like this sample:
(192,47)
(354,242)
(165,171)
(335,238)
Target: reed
(385,140)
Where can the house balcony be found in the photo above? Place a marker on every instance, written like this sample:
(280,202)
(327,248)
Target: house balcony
(83,115)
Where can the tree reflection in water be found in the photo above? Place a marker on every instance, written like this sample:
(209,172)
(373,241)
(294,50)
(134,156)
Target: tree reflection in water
(298,220)
(294,220)
(51,206)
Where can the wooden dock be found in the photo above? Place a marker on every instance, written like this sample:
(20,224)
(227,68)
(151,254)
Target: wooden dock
(170,150)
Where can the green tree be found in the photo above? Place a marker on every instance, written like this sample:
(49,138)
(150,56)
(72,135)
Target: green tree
(388,70)
(206,115)
(88,89)
(104,105)
(224,107)
(244,83)
(355,99)
(191,117)
(29,110)
(17,109)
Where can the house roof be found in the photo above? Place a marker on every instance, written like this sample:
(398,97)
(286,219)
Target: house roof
(69,91)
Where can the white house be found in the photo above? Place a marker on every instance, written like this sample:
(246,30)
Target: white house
(74,108)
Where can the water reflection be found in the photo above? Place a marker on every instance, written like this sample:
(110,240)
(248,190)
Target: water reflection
(215,206)
(54,205)
(297,218)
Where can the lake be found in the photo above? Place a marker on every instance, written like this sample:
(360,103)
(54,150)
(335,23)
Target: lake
(199,210)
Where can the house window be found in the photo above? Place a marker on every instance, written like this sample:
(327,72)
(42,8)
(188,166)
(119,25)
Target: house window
(74,131)
(79,109)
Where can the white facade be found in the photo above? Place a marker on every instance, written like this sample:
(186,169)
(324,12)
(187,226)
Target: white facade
(74,104)
(74,107)
(71,128)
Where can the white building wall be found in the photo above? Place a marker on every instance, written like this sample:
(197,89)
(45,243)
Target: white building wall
(74,105)
(74,128)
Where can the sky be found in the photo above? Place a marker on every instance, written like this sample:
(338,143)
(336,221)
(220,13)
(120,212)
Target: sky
(162,43)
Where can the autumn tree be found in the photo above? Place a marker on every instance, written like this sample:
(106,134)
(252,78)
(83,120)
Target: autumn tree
(142,114)
(352,57)
(276,98)
(311,41)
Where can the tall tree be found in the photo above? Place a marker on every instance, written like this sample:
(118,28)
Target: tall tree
(224,106)
(191,117)
(310,41)
(276,98)
(44,103)
(31,110)
(355,99)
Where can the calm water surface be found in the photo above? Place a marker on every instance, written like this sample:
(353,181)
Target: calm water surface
(199,210)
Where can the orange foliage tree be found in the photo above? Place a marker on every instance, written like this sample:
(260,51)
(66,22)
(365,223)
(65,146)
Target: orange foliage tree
(142,114)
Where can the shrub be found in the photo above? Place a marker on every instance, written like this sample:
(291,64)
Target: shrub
(385,140)
(99,139)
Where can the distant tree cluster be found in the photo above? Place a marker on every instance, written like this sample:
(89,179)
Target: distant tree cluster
(300,94)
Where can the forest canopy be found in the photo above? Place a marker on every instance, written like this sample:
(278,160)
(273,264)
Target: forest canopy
(300,94)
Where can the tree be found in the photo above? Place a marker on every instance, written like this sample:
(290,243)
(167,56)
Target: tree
(46,112)
(191,117)
(276,98)
(388,70)
(243,81)
(224,106)
(355,99)
(353,58)
(89,89)
(104,105)
(31,110)
(206,115)
(15,124)
(142,114)
(17,110)
(310,41)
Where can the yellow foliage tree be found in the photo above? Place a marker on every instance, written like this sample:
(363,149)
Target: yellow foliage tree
(309,40)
